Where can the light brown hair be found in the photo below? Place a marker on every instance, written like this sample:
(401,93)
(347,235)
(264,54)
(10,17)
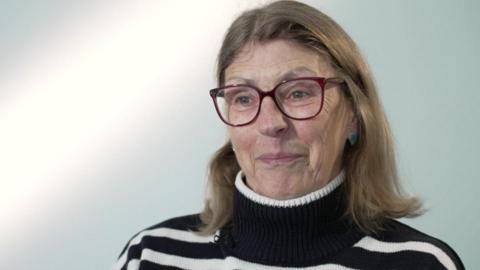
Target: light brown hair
(372,184)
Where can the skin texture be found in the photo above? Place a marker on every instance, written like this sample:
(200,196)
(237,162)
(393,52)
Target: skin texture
(284,158)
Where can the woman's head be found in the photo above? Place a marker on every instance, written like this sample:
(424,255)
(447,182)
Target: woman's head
(288,39)
(280,156)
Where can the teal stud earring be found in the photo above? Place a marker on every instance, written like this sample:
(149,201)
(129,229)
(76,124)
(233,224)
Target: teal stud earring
(352,139)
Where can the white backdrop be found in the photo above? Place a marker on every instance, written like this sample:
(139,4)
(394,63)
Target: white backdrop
(106,125)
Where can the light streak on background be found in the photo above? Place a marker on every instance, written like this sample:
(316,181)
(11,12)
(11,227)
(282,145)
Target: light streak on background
(91,85)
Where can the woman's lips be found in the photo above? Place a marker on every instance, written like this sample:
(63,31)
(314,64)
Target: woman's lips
(279,159)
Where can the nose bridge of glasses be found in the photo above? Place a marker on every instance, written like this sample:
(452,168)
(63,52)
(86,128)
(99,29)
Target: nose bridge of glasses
(274,102)
(264,94)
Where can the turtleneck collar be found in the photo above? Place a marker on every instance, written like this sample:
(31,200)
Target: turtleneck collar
(298,232)
(305,199)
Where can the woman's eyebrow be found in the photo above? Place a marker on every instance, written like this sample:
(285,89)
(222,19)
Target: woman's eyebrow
(296,72)
(241,79)
(291,74)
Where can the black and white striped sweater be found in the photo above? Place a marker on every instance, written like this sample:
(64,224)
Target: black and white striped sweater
(303,233)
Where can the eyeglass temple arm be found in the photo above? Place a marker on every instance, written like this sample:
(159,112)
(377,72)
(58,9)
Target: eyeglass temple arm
(335,80)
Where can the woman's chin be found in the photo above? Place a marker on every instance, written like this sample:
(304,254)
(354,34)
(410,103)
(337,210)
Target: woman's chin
(281,184)
(281,189)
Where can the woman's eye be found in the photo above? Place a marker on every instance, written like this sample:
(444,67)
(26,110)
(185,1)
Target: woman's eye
(299,94)
(243,100)
(240,97)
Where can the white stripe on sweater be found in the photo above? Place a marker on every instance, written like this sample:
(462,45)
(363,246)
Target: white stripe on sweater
(372,244)
(208,264)
(235,263)
(185,236)
(133,265)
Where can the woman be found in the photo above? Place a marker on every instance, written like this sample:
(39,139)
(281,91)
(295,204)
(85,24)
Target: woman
(308,177)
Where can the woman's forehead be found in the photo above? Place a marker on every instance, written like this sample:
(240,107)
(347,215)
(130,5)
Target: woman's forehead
(276,59)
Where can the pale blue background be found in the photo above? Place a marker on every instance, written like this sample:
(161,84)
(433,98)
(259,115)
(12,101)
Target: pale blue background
(106,126)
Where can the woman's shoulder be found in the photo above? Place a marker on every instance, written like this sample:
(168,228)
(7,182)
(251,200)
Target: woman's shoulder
(397,236)
(182,227)
(184,223)
(399,232)
(172,237)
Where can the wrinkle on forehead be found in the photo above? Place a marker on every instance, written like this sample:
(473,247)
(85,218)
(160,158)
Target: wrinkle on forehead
(266,63)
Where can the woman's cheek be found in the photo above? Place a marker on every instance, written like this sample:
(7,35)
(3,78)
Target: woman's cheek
(317,154)
(244,146)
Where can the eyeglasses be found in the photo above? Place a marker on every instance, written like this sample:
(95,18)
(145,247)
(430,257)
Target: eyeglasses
(298,99)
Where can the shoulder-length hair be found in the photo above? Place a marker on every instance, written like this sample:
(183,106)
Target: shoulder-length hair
(372,184)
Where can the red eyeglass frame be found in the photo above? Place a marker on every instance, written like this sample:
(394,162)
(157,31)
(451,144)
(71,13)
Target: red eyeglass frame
(262,94)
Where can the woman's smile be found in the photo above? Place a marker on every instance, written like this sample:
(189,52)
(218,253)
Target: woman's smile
(279,159)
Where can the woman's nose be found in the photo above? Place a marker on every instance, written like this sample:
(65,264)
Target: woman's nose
(271,121)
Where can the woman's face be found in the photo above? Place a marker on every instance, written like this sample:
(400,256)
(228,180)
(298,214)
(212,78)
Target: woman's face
(284,158)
